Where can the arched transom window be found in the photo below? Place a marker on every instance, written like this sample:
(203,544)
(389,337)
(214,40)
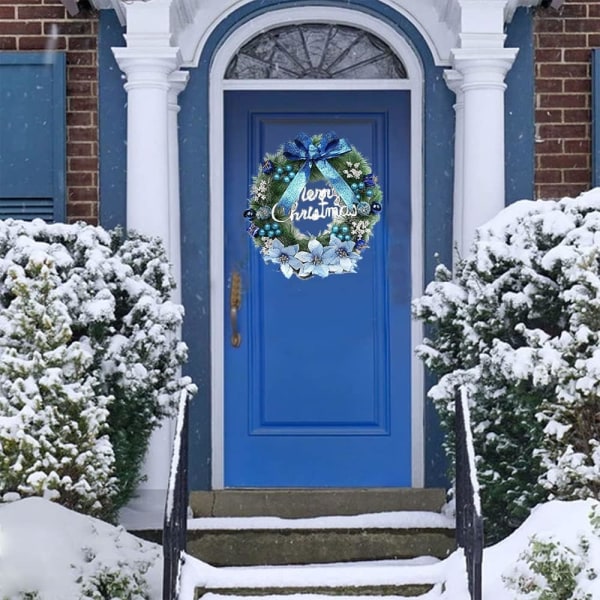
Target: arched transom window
(315,51)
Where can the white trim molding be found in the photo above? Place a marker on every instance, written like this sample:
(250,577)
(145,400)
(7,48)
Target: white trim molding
(422,14)
(440,22)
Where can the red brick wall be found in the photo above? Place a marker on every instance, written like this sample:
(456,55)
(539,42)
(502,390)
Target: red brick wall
(44,24)
(563,40)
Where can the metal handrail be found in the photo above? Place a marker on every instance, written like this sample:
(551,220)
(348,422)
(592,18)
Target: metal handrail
(176,506)
(469,520)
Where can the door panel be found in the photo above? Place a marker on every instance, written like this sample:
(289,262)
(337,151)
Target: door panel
(318,393)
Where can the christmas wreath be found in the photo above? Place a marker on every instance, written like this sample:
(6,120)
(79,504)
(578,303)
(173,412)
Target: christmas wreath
(273,206)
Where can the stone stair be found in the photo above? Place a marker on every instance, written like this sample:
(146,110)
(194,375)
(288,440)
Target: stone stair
(346,542)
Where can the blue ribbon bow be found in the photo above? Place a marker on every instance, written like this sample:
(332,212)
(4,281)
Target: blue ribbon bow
(302,148)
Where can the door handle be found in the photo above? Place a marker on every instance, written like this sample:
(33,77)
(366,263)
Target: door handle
(235,301)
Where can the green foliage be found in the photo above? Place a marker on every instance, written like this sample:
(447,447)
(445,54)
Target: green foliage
(120,582)
(267,192)
(89,361)
(53,429)
(552,571)
(518,325)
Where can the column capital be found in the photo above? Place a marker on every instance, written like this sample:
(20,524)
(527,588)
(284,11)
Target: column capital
(453,80)
(148,67)
(496,60)
(177,81)
(483,68)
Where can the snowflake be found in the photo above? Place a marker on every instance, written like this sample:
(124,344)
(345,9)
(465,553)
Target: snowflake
(267,244)
(353,171)
(260,191)
(359,228)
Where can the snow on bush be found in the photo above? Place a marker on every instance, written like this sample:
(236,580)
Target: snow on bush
(519,325)
(553,555)
(89,361)
(53,432)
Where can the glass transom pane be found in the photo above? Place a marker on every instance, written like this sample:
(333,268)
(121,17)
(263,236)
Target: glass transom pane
(315,51)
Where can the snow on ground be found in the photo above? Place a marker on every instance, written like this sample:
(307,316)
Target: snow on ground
(47,548)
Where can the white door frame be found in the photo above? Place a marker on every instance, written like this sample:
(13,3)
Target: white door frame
(218,84)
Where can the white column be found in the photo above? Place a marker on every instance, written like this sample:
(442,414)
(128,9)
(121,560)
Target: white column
(454,81)
(148,71)
(482,169)
(152,192)
(178,80)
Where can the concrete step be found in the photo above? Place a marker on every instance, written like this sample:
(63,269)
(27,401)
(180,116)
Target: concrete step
(392,592)
(392,579)
(231,541)
(300,503)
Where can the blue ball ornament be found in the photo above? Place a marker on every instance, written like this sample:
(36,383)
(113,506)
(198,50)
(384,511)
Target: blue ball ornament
(361,186)
(279,170)
(288,168)
(261,232)
(286,179)
(354,186)
(347,238)
(345,229)
(375,207)
(271,234)
(335,229)
(276,177)
(249,213)
(267,227)
(369,193)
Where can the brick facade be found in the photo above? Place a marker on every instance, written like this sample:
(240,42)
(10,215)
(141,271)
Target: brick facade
(28,25)
(563,41)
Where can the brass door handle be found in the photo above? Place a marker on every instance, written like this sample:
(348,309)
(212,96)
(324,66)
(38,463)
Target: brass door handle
(235,301)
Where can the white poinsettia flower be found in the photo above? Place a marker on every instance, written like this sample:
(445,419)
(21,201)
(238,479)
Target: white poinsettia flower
(285,256)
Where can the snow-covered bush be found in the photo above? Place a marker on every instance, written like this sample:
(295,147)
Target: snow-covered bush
(519,325)
(122,582)
(550,569)
(53,432)
(89,361)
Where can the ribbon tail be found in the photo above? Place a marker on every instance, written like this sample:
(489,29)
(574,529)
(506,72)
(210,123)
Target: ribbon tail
(340,186)
(294,188)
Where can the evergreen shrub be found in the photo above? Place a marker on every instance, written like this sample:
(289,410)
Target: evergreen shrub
(89,361)
(518,324)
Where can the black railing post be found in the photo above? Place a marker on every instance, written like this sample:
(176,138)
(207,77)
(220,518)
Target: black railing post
(469,521)
(175,521)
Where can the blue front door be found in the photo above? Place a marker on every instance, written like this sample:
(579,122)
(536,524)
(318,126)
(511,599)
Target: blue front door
(318,391)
